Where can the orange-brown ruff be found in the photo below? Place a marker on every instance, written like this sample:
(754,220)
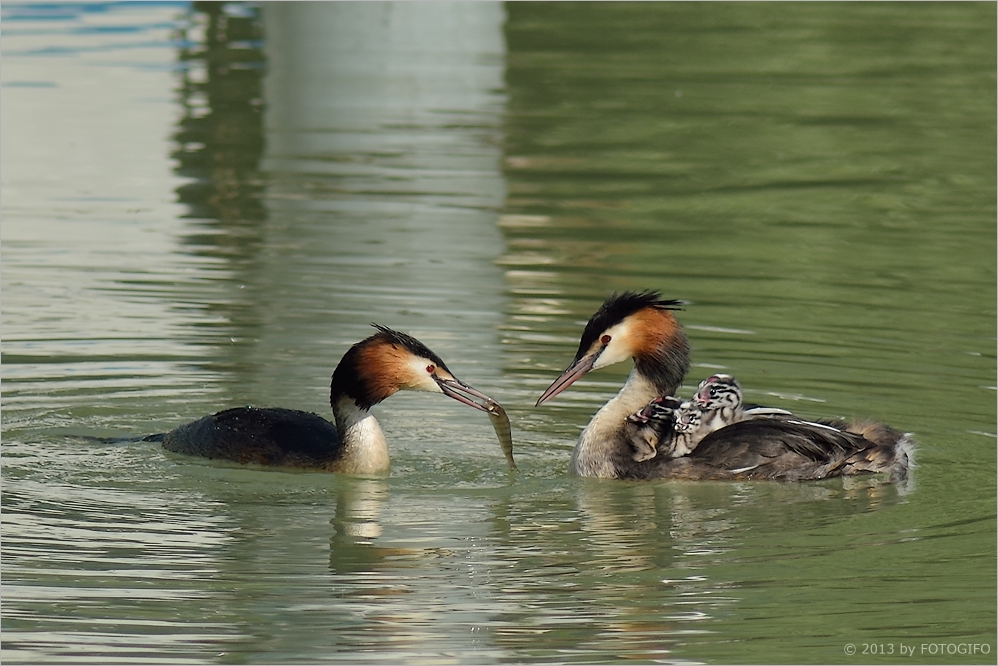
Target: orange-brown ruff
(393,361)
(369,372)
(654,329)
(640,326)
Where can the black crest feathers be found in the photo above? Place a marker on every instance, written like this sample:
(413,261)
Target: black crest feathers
(618,307)
(405,341)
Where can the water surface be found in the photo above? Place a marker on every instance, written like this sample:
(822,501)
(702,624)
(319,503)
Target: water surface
(205,205)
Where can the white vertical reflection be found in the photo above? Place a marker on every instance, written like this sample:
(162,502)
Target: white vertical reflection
(382,124)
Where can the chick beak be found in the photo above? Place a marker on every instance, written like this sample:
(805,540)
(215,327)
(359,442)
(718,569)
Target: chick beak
(455,388)
(578,368)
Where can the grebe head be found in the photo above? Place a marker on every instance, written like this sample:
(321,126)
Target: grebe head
(688,417)
(718,392)
(636,325)
(390,361)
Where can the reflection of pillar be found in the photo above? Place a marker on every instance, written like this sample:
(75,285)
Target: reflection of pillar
(220,137)
(358,67)
(219,142)
(393,111)
(383,174)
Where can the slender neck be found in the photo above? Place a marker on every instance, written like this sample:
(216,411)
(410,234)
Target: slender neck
(666,364)
(605,438)
(363,449)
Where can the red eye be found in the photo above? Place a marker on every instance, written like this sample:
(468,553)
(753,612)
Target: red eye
(605,339)
(430,369)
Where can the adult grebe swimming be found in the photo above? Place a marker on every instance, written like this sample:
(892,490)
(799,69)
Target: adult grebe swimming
(370,371)
(641,326)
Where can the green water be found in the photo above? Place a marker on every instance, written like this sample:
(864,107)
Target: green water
(204,207)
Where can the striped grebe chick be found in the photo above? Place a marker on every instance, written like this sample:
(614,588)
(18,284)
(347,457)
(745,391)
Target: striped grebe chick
(674,428)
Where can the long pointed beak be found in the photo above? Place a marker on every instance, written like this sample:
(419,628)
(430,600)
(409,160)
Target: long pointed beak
(455,388)
(567,378)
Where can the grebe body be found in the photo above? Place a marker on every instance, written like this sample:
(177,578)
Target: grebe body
(369,372)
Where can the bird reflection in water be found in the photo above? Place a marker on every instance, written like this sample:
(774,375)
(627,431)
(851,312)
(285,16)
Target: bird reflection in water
(356,524)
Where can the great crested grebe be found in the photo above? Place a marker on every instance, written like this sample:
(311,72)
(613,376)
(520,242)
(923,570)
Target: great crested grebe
(370,371)
(771,446)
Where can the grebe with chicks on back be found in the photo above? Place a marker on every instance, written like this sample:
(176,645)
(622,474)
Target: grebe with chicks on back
(776,445)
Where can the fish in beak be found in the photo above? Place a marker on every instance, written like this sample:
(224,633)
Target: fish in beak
(453,387)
